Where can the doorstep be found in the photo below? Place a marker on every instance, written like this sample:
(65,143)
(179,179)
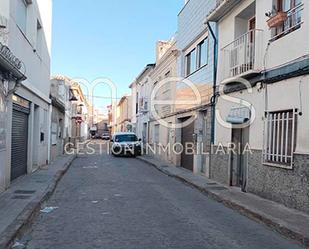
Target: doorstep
(20,203)
(289,222)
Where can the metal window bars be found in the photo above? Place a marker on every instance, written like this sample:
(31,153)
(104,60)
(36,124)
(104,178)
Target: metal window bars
(279,141)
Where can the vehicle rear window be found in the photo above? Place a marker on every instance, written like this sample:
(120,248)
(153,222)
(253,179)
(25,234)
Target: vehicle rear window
(126,138)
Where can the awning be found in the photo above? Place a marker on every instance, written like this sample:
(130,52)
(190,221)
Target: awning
(239,115)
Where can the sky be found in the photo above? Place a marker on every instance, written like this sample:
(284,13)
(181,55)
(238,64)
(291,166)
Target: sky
(109,39)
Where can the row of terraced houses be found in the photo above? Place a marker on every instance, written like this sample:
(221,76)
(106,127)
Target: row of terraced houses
(233,81)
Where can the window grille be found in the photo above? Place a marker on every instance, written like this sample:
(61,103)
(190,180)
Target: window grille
(279,141)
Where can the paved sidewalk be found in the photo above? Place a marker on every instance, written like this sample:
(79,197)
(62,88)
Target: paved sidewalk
(21,202)
(289,222)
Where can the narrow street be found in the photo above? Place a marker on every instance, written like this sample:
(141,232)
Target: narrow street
(115,203)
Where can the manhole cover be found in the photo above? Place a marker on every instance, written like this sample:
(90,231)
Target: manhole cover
(24,192)
(21,197)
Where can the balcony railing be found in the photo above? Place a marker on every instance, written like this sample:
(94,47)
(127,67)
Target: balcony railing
(292,22)
(244,55)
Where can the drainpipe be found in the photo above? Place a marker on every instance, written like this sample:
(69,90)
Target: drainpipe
(213,98)
(50,108)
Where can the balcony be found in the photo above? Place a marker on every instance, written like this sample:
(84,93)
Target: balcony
(290,21)
(243,56)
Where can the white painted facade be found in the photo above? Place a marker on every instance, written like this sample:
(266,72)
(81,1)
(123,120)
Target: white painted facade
(28,36)
(282,95)
(134,102)
(143,89)
(279,79)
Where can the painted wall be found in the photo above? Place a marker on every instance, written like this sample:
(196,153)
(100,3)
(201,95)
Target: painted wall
(23,45)
(133,103)
(166,67)
(144,88)
(278,99)
(227,32)
(272,52)
(36,59)
(298,46)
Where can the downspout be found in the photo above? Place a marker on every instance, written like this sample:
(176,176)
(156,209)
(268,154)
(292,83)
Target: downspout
(50,108)
(214,96)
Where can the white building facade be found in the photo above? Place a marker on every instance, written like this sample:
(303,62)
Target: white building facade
(134,106)
(143,92)
(61,117)
(26,32)
(269,54)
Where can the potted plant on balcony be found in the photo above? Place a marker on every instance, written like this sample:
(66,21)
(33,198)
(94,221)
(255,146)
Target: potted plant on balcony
(276,17)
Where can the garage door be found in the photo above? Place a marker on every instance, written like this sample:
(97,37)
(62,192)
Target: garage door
(186,137)
(19,141)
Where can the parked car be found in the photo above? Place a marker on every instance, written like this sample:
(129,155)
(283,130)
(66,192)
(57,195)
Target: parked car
(95,136)
(125,143)
(105,136)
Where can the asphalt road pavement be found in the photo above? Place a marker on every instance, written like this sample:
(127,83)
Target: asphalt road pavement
(123,203)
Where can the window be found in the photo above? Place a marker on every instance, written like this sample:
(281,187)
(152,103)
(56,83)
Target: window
(191,62)
(293,8)
(21,14)
(125,138)
(39,35)
(202,53)
(279,142)
(136,105)
(156,134)
(197,58)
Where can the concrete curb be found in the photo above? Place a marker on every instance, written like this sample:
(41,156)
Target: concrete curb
(303,239)
(23,220)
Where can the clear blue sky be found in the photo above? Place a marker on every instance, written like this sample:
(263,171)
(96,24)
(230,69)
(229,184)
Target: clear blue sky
(114,39)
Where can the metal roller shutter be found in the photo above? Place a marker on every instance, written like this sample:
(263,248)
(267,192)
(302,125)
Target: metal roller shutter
(19,142)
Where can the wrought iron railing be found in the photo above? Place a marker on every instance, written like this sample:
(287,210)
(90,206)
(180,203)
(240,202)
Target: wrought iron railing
(243,54)
(292,22)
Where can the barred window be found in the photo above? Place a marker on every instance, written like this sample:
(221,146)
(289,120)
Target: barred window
(279,141)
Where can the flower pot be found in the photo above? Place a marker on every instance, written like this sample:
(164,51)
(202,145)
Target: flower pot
(277,19)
